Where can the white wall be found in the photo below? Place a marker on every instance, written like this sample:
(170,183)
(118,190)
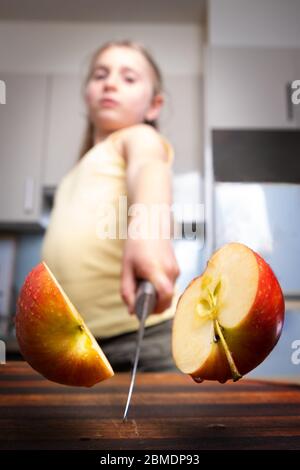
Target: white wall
(65,47)
(269,23)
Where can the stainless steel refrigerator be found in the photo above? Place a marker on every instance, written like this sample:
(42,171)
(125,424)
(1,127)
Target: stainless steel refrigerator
(266,217)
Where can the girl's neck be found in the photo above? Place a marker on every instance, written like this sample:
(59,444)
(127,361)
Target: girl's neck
(99,136)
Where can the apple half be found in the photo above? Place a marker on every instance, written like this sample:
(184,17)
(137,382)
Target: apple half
(53,337)
(228,319)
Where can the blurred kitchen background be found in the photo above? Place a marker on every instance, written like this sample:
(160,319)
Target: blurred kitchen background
(228,67)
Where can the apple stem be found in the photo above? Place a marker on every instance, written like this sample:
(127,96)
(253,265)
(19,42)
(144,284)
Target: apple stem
(234,371)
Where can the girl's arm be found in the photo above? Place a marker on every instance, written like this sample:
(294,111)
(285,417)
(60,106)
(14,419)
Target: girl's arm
(148,255)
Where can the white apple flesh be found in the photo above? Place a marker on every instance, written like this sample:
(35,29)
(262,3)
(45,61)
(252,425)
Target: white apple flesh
(228,319)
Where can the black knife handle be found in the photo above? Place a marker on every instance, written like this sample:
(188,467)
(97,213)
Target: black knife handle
(146,298)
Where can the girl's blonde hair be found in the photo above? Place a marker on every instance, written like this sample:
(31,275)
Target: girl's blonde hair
(88,140)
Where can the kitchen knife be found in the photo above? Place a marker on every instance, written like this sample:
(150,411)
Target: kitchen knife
(146,298)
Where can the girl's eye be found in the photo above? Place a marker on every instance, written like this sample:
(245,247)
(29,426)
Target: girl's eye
(130,79)
(99,77)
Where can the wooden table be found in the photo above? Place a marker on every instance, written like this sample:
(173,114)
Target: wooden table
(168,411)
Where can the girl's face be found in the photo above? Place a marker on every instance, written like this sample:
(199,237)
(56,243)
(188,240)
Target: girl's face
(119,92)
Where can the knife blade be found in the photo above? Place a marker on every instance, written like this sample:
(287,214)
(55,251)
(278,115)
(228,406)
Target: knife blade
(146,298)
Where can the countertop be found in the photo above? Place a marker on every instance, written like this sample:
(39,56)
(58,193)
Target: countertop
(168,411)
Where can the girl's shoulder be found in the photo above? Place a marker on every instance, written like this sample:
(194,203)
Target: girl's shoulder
(139,135)
(142,130)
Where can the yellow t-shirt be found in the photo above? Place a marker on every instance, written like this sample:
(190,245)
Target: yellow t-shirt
(86,265)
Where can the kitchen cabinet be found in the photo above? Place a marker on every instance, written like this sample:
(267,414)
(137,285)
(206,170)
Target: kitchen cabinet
(22,130)
(65,127)
(248,87)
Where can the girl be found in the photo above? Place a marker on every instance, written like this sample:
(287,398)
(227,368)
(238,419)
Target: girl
(123,156)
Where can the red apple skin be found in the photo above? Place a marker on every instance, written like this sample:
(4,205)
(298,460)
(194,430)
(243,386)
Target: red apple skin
(47,334)
(253,339)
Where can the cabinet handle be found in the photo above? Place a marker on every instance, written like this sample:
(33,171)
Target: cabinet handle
(28,195)
(290,108)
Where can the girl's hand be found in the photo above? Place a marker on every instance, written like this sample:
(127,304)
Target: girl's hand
(153,260)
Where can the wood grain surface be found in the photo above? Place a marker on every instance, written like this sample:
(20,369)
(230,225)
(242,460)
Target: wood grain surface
(168,411)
